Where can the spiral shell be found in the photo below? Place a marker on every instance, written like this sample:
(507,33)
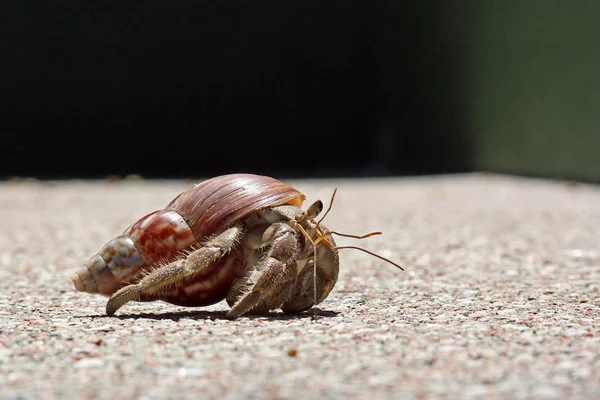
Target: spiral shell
(208,208)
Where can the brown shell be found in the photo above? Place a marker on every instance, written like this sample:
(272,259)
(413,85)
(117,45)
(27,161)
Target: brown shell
(208,208)
(213,205)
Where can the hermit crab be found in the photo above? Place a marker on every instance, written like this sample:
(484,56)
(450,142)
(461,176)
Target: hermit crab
(239,237)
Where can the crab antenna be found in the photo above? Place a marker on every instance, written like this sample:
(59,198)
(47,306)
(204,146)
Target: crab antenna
(371,253)
(329,208)
(314,280)
(316,228)
(329,233)
(356,236)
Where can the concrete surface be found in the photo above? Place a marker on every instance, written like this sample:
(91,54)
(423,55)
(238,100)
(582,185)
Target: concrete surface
(500,299)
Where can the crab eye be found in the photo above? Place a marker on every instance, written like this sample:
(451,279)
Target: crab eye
(314,209)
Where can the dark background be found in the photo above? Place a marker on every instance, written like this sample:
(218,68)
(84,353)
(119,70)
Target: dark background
(309,88)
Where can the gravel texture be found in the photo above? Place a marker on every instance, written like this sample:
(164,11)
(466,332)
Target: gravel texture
(500,299)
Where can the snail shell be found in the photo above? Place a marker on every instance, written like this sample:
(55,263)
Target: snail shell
(157,238)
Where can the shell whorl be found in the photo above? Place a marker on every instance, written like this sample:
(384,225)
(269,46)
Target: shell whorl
(156,237)
(213,205)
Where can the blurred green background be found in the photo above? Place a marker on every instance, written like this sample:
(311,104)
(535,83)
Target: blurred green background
(534,84)
(510,86)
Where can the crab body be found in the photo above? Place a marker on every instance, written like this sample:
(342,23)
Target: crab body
(238,237)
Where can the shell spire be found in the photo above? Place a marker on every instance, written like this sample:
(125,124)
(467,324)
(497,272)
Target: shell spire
(157,236)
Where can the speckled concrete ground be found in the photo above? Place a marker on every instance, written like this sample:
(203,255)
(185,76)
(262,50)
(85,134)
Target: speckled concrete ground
(500,299)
